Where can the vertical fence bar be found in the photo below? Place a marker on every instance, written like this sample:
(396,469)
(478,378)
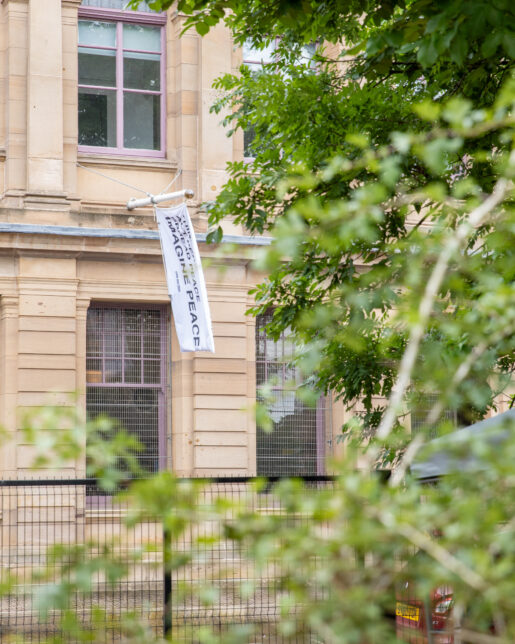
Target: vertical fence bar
(167,581)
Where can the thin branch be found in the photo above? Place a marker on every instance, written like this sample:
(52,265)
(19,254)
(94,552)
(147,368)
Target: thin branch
(481,638)
(443,556)
(465,367)
(476,218)
(407,459)
(435,412)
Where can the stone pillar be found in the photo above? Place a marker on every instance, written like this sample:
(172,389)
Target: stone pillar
(70,98)
(82,306)
(8,378)
(215,148)
(15,103)
(45,100)
(183,101)
(47,343)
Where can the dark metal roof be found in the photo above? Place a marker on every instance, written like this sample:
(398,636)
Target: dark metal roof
(494,430)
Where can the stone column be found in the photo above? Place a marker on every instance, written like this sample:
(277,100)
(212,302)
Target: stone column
(70,98)
(45,102)
(82,305)
(15,101)
(183,101)
(215,147)
(8,378)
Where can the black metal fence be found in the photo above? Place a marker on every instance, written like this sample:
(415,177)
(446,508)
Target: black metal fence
(68,550)
(75,559)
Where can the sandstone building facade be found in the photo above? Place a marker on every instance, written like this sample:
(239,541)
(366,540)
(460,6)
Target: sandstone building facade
(96,101)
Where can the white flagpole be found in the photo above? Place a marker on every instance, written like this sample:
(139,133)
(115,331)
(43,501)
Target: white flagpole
(155,199)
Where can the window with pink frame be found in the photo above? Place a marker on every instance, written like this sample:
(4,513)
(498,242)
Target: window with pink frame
(126,369)
(297,444)
(121,80)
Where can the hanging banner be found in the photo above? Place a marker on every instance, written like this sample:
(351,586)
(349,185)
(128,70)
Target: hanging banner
(185,279)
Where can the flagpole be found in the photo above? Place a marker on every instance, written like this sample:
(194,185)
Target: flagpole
(155,199)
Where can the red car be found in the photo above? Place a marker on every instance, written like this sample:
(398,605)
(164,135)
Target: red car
(419,622)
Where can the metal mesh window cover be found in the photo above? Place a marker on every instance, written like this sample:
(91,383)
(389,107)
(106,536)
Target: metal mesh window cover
(420,410)
(297,444)
(126,358)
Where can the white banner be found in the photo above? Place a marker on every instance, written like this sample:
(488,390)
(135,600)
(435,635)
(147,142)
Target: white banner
(185,279)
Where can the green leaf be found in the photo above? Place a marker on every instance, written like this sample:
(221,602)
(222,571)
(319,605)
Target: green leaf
(202,28)
(427,110)
(427,53)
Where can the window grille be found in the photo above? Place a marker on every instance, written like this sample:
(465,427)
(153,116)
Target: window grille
(420,410)
(297,444)
(126,350)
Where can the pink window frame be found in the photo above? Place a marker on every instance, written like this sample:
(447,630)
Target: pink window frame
(121,17)
(161,386)
(320,422)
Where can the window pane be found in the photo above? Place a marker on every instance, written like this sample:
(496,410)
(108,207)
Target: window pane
(133,345)
(133,371)
(142,121)
(97,33)
(120,395)
(248,136)
(97,117)
(141,71)
(253,55)
(97,67)
(142,38)
(132,319)
(151,345)
(296,445)
(308,53)
(113,371)
(152,322)
(292,448)
(152,371)
(137,410)
(93,370)
(114,4)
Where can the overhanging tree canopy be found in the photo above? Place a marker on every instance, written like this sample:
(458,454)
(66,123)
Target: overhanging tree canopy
(391,130)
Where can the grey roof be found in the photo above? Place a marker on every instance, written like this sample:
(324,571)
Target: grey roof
(494,430)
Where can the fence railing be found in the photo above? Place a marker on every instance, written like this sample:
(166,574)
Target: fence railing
(50,528)
(74,557)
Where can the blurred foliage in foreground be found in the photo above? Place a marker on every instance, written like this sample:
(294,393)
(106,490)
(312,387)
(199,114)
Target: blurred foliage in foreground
(393,263)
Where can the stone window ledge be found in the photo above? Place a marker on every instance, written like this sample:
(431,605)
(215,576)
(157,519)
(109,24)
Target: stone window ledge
(129,163)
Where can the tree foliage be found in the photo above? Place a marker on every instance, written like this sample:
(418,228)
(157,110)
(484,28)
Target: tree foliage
(352,157)
(385,177)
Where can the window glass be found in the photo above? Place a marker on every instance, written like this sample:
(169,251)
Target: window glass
(258,56)
(114,4)
(102,34)
(141,37)
(141,121)
(141,71)
(131,66)
(308,53)
(420,409)
(97,67)
(97,117)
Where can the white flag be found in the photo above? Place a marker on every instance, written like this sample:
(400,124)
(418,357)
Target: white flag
(185,279)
